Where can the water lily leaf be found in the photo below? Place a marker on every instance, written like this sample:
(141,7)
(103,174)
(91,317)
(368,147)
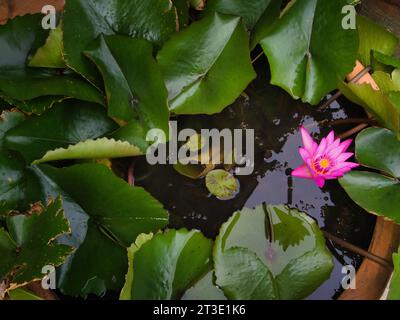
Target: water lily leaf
(394,292)
(168,264)
(256,244)
(19,38)
(386,59)
(85,20)
(379,194)
(34,83)
(206,83)
(204,289)
(265,22)
(139,95)
(386,82)
(66,124)
(140,240)
(250,11)
(300,61)
(382,106)
(108,214)
(50,54)
(222,184)
(8,120)
(103,148)
(30,244)
(374,37)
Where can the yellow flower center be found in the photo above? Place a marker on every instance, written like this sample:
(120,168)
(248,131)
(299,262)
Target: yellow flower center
(324,163)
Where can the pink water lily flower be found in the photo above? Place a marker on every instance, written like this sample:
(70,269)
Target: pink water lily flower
(325,161)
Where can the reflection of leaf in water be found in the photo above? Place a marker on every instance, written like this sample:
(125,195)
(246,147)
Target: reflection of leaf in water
(290,231)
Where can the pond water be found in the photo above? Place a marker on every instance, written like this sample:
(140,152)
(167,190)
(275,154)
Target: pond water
(276,119)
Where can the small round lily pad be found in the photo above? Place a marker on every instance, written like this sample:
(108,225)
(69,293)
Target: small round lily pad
(222,184)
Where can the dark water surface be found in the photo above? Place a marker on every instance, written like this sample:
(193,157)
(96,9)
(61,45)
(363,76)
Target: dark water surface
(276,119)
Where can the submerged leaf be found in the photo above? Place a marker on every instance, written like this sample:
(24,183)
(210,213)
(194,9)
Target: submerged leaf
(282,264)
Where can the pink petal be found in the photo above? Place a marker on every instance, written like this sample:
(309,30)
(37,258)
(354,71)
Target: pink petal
(308,142)
(319,181)
(305,154)
(330,138)
(346,144)
(344,165)
(321,148)
(302,172)
(344,156)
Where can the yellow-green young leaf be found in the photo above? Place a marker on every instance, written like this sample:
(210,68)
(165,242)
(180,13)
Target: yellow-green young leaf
(374,37)
(30,244)
(394,292)
(382,106)
(92,149)
(222,184)
(50,55)
(140,240)
(20,294)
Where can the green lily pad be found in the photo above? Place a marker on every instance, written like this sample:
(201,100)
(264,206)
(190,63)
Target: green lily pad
(394,291)
(250,11)
(386,59)
(376,148)
(165,266)
(296,46)
(222,184)
(22,86)
(64,125)
(201,83)
(280,249)
(30,244)
(139,95)
(85,20)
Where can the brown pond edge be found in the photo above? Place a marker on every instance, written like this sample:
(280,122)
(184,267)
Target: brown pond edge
(372,278)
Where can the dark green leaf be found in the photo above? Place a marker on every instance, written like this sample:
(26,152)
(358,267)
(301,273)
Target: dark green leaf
(117,213)
(207,65)
(85,20)
(281,250)
(379,194)
(30,244)
(296,46)
(139,95)
(63,125)
(250,11)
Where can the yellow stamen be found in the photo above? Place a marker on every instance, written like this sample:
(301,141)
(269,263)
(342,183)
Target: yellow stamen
(324,163)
